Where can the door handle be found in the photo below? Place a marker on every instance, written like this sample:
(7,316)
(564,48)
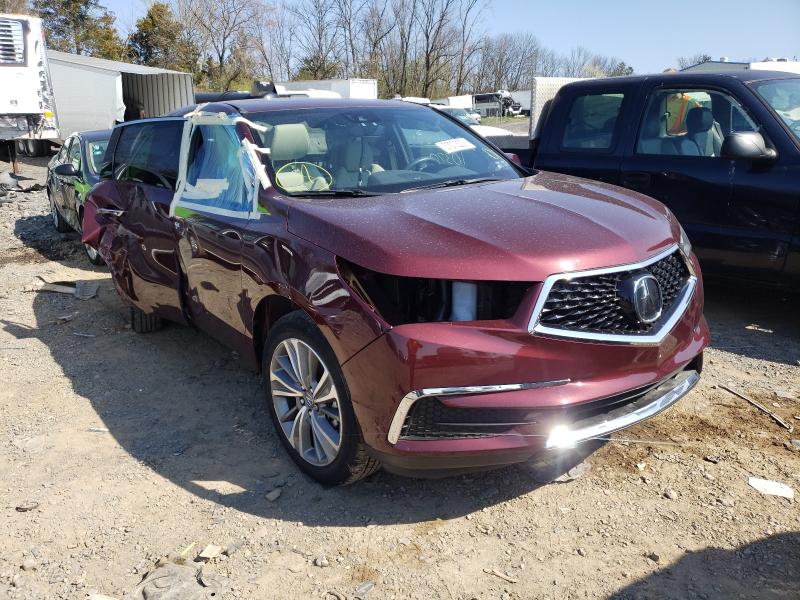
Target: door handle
(636,179)
(231,233)
(110,212)
(180,226)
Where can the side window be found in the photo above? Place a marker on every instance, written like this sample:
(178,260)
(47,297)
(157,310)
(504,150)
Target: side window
(149,153)
(74,155)
(219,174)
(690,122)
(592,121)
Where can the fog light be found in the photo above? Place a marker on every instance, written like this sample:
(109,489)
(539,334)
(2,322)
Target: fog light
(560,437)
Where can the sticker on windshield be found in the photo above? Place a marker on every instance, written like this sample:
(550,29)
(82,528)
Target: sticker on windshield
(455,145)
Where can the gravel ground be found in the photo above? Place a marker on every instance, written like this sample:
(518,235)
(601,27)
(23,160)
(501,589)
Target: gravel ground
(118,449)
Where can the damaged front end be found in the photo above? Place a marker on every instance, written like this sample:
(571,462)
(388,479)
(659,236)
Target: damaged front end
(400,300)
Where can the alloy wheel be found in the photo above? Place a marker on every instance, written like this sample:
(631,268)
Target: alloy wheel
(91,252)
(306,402)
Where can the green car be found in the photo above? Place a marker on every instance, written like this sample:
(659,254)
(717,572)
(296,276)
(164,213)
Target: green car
(70,175)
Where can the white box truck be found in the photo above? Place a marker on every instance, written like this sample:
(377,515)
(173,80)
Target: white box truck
(95,93)
(348,88)
(27,111)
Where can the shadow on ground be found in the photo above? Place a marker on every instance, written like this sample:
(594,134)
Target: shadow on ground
(753,322)
(180,403)
(768,569)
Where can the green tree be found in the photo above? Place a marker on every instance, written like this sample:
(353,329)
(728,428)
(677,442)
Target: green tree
(157,41)
(621,69)
(80,27)
(17,7)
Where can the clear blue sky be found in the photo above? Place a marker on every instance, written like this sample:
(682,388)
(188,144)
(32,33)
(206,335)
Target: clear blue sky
(647,34)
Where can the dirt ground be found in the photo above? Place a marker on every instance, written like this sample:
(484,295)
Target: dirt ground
(117,449)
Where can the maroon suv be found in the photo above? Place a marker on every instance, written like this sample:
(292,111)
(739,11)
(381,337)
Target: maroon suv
(412,297)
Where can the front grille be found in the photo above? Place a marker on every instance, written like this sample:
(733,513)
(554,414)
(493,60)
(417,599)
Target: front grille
(12,42)
(429,418)
(592,304)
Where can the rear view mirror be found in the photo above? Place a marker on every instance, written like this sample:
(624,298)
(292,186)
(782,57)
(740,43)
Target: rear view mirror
(746,145)
(65,170)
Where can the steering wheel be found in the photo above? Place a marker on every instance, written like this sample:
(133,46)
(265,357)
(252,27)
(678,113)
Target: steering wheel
(303,177)
(417,164)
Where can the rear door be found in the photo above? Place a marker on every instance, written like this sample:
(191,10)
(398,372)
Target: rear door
(141,241)
(585,131)
(211,211)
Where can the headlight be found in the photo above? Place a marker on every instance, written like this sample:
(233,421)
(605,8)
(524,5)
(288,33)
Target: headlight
(402,300)
(684,244)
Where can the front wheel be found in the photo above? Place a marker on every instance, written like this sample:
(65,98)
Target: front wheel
(309,403)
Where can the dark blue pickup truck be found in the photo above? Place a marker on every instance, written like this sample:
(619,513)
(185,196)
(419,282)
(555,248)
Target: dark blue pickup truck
(722,151)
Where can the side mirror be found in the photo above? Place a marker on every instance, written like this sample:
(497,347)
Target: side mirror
(512,156)
(66,170)
(746,145)
(106,171)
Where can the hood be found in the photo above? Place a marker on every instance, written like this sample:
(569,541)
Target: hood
(517,230)
(489,131)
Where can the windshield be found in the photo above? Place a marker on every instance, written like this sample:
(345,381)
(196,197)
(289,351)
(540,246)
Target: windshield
(374,150)
(783,95)
(96,151)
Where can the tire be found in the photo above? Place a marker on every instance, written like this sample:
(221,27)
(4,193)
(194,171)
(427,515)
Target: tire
(22,147)
(141,322)
(58,221)
(312,413)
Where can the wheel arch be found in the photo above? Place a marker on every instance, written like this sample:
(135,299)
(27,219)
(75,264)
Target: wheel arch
(268,311)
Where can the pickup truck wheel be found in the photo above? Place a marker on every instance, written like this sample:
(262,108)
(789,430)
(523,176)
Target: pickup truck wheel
(58,221)
(309,403)
(141,322)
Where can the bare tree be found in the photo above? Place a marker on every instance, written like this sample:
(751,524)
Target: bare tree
(274,43)
(467,43)
(689,61)
(316,20)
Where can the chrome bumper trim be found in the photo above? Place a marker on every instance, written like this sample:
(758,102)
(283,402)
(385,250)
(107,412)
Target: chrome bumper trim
(409,399)
(565,437)
(668,321)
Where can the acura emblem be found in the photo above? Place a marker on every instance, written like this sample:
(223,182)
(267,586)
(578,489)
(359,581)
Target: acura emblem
(641,297)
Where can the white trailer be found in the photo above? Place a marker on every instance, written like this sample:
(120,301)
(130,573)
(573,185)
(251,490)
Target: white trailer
(27,112)
(523,98)
(463,101)
(347,88)
(94,93)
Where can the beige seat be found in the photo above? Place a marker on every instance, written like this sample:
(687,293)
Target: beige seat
(356,162)
(290,143)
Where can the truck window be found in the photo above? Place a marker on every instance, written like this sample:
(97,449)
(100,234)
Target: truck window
(690,122)
(149,153)
(592,121)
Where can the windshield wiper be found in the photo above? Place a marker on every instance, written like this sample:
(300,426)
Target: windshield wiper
(336,193)
(451,183)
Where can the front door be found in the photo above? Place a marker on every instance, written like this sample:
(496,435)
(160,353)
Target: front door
(676,159)
(211,211)
(141,241)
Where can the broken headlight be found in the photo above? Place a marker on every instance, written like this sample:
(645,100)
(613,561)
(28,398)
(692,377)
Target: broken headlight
(421,300)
